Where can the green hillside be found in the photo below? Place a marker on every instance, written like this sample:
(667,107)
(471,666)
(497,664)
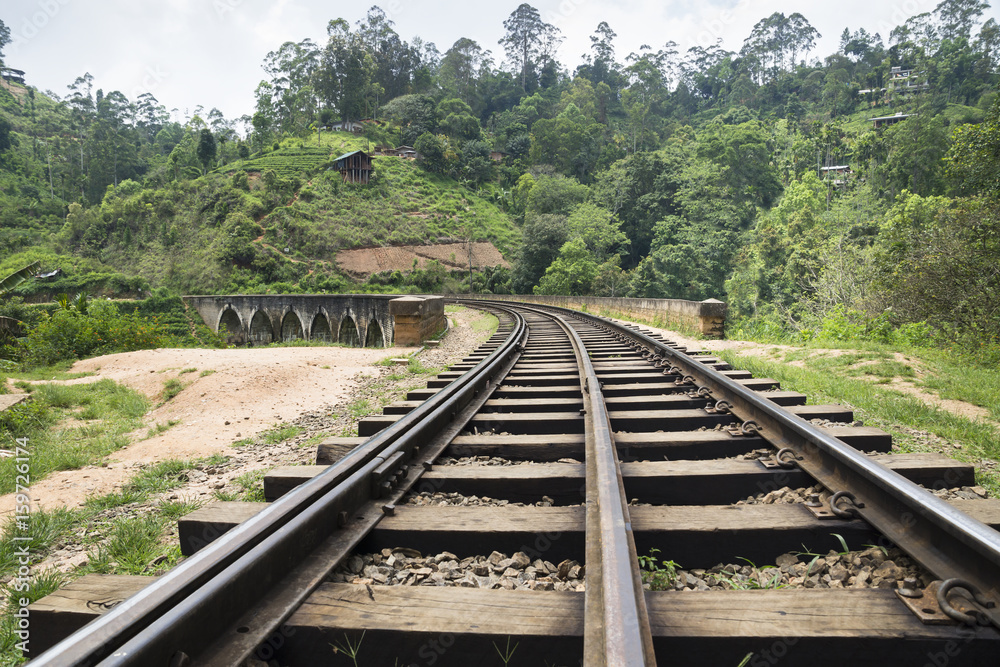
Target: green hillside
(652,173)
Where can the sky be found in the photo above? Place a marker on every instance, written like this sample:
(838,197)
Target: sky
(209,52)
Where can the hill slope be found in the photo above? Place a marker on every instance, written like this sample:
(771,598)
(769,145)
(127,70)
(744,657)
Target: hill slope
(279,217)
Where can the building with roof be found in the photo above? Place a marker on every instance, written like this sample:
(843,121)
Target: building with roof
(10,74)
(883,121)
(354,167)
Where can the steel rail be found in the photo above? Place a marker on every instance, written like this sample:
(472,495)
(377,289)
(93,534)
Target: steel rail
(217,585)
(946,541)
(616,621)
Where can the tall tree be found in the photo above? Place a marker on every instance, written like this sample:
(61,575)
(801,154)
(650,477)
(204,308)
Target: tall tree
(345,73)
(600,65)
(529,43)
(4,39)
(207,148)
(394,60)
(460,67)
(957,18)
(776,43)
(291,68)
(81,102)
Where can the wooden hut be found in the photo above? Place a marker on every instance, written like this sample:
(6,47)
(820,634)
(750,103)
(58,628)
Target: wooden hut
(355,167)
(11,74)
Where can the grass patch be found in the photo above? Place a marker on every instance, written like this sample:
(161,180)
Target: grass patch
(140,544)
(40,585)
(56,372)
(280,434)
(251,486)
(157,429)
(134,545)
(187,370)
(171,388)
(887,409)
(172,510)
(206,372)
(314,440)
(954,379)
(111,410)
(44,529)
(488,322)
(359,408)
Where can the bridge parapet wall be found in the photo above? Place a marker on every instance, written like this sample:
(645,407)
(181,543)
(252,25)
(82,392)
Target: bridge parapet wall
(707,318)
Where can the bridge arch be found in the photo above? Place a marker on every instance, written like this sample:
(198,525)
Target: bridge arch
(231,327)
(348,334)
(291,327)
(261,331)
(320,329)
(375,337)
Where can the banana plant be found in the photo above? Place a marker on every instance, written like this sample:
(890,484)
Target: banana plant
(10,327)
(18,277)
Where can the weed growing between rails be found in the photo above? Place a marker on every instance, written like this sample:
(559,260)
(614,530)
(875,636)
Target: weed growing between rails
(657,575)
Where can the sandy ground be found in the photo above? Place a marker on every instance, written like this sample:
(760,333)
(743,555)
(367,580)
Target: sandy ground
(249,391)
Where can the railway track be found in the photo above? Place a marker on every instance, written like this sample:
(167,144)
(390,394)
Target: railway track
(530,500)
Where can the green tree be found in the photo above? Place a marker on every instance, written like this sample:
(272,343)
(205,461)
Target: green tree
(476,165)
(207,148)
(460,68)
(344,74)
(573,271)
(4,39)
(781,252)
(529,43)
(5,127)
(569,142)
(555,194)
(957,18)
(776,43)
(938,261)
(457,120)
(915,148)
(974,158)
(544,235)
(639,190)
(432,152)
(413,115)
(598,228)
(745,152)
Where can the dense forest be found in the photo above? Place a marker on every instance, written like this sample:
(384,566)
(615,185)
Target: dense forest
(755,176)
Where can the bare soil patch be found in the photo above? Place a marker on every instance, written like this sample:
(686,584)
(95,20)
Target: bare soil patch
(244,392)
(362,262)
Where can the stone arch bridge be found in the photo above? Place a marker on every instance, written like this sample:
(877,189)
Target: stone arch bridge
(357,320)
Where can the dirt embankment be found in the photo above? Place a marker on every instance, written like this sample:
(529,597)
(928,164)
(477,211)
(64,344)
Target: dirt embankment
(363,262)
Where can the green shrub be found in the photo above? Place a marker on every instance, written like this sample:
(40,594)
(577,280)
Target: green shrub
(103,329)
